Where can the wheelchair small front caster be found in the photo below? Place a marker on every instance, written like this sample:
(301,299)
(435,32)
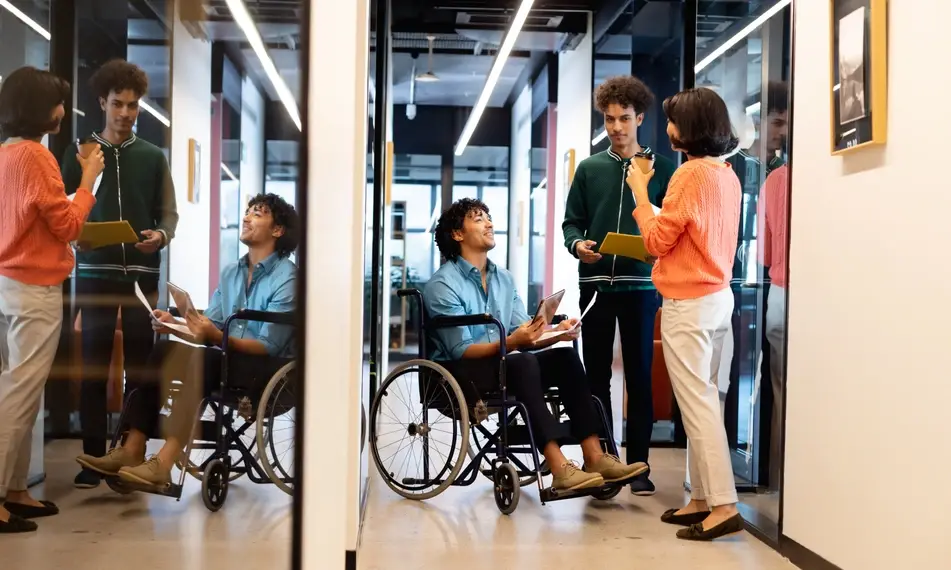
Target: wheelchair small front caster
(214,485)
(507,488)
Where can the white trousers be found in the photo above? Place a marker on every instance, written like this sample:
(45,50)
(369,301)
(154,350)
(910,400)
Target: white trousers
(776,336)
(30,320)
(693,332)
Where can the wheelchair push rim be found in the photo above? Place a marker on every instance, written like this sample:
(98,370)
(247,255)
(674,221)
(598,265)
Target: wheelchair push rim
(276,442)
(408,430)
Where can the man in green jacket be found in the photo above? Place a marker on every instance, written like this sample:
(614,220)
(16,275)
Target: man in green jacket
(135,186)
(599,202)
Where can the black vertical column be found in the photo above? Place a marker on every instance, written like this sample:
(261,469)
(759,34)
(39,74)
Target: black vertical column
(381,115)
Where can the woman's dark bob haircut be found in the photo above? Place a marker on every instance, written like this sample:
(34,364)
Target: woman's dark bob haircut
(703,121)
(28,97)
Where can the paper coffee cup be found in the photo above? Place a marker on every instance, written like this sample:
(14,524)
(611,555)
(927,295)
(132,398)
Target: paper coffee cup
(644,161)
(87,147)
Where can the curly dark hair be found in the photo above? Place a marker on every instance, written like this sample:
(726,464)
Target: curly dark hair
(285,216)
(452,220)
(118,75)
(626,91)
(28,97)
(703,121)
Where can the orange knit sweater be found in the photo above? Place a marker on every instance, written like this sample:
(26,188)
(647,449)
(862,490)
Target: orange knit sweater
(695,234)
(38,220)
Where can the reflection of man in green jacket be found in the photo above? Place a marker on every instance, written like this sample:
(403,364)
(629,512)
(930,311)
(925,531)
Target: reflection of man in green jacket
(136,186)
(599,202)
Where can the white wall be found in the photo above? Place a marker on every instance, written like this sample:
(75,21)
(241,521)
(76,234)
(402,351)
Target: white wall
(573,131)
(520,180)
(337,179)
(189,252)
(867,429)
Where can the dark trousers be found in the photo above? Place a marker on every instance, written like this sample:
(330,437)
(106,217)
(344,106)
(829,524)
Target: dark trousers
(190,374)
(634,313)
(528,376)
(100,301)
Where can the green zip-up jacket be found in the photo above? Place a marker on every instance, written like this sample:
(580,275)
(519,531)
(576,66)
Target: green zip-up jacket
(600,202)
(136,185)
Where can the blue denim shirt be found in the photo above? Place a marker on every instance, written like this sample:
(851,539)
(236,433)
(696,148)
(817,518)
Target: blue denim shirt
(272,289)
(456,289)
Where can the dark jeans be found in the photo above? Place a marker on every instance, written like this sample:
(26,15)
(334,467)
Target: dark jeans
(198,372)
(634,313)
(528,375)
(100,301)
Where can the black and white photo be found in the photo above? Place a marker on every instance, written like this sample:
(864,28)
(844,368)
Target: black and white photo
(851,65)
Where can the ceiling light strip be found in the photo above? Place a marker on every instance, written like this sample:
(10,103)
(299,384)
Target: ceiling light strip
(228,171)
(600,137)
(749,29)
(154,112)
(507,45)
(25,19)
(241,16)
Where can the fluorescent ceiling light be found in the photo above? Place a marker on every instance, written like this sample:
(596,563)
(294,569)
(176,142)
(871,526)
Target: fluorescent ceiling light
(227,171)
(541,186)
(25,19)
(601,136)
(507,44)
(78,112)
(772,11)
(154,112)
(241,16)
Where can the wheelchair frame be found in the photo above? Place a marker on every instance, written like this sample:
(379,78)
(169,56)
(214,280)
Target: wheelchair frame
(217,468)
(506,468)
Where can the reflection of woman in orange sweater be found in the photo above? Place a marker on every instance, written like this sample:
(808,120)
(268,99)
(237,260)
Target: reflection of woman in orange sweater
(694,240)
(35,258)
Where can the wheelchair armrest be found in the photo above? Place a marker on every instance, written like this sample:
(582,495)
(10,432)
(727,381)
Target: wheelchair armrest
(256,316)
(468,321)
(558,318)
(409,293)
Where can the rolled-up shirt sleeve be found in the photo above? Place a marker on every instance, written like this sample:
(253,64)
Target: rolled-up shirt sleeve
(442,301)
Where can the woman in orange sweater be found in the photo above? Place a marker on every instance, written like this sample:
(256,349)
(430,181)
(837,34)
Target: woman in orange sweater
(694,239)
(38,224)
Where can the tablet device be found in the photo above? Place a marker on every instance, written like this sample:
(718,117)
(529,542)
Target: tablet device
(182,299)
(548,306)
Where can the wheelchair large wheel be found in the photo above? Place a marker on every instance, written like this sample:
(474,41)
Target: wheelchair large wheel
(419,420)
(275,428)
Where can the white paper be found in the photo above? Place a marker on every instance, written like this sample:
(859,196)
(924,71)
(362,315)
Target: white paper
(180,328)
(553,333)
(95,188)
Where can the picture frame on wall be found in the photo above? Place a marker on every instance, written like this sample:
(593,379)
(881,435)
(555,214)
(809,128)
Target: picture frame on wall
(859,73)
(569,163)
(194,171)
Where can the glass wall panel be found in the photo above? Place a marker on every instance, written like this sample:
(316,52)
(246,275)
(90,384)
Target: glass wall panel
(752,77)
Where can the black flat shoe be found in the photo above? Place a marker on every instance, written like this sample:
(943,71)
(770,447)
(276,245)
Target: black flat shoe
(16,525)
(696,532)
(687,519)
(32,512)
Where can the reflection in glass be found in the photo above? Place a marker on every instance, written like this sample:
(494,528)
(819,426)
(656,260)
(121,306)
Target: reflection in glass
(751,78)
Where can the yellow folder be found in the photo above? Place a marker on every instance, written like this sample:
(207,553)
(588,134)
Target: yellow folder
(102,234)
(624,245)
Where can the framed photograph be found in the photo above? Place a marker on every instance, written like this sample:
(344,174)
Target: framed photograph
(194,171)
(859,86)
(569,170)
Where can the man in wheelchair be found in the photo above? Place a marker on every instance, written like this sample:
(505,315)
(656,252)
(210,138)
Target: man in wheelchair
(469,283)
(262,280)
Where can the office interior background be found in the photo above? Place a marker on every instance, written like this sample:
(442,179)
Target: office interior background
(372,116)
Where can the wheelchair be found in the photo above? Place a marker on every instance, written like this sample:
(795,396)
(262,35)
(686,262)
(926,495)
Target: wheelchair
(439,430)
(236,431)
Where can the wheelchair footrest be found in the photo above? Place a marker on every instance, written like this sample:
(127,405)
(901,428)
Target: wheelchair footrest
(125,487)
(549,494)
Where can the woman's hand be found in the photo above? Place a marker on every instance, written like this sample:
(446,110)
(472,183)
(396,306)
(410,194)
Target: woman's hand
(93,164)
(637,181)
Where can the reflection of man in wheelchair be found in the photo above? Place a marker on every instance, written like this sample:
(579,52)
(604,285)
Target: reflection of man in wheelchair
(263,280)
(471,284)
